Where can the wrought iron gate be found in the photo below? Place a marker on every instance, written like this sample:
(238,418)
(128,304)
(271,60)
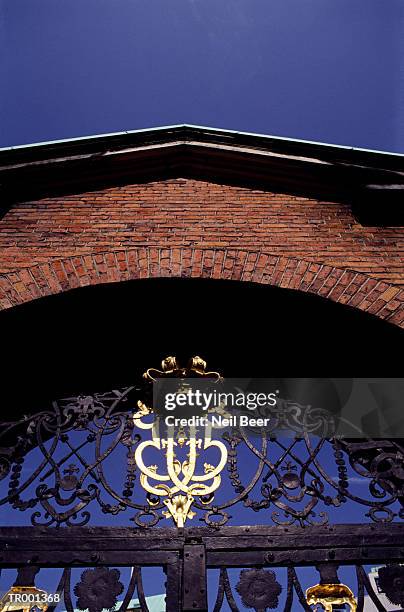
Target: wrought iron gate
(187,554)
(78,464)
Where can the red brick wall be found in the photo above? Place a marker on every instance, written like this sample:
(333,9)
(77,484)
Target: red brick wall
(194,214)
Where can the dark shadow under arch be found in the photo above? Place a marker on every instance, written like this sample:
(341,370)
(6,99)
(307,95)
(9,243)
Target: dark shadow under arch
(104,336)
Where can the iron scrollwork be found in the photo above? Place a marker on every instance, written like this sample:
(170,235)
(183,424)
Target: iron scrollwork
(84,447)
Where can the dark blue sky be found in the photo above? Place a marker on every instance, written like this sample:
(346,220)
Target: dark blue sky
(326,70)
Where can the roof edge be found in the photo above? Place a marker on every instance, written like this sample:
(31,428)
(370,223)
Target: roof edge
(367,179)
(179,126)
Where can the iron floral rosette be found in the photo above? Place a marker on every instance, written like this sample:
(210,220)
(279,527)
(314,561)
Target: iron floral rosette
(98,589)
(259,589)
(391,582)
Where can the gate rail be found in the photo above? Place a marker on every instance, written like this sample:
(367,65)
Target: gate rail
(187,553)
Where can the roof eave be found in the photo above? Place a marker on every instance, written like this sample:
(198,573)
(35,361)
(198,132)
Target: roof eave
(314,169)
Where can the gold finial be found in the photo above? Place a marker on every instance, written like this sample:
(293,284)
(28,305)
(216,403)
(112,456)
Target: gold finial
(24,598)
(329,595)
(196,367)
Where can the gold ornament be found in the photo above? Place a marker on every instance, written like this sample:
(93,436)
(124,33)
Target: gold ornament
(331,594)
(179,483)
(24,598)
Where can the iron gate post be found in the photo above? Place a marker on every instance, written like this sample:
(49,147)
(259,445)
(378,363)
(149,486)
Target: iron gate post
(173,585)
(194,578)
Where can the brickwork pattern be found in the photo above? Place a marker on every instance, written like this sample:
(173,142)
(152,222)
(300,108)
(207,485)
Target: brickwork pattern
(344,286)
(183,227)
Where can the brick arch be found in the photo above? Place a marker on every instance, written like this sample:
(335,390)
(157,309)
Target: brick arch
(344,286)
